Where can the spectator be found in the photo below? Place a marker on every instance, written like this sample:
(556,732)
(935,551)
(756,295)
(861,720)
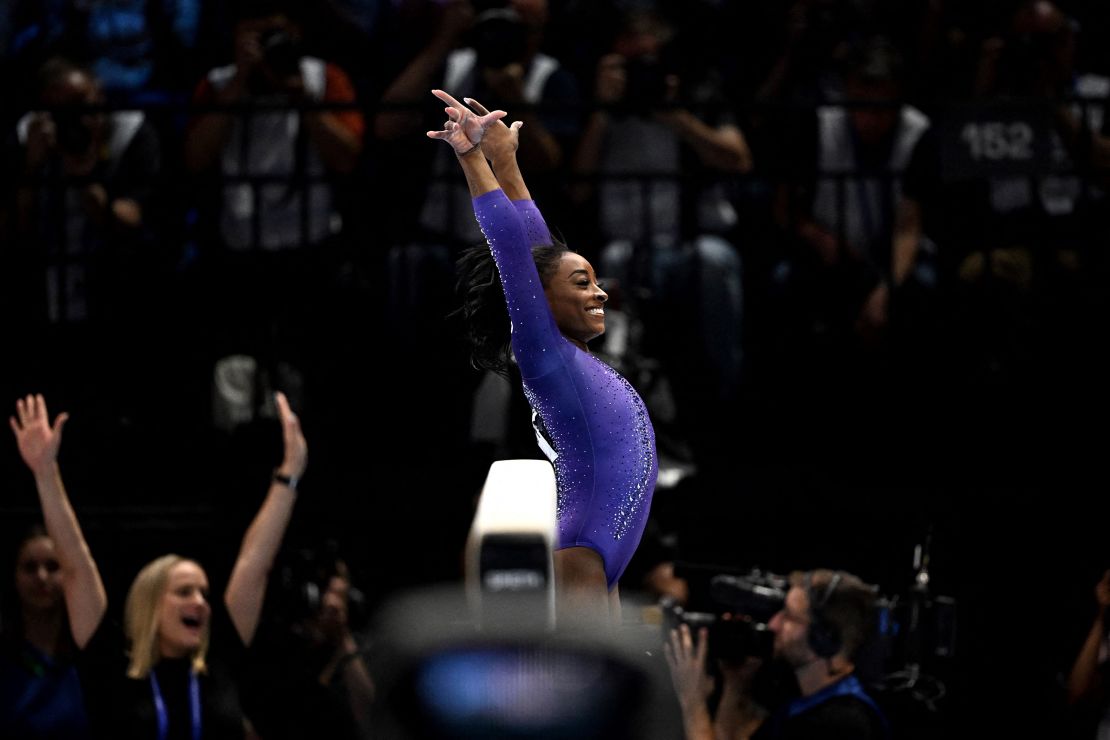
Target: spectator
(86,254)
(1017,233)
(665,148)
(1086,683)
(842,212)
(40,694)
(827,617)
(273,216)
(269,68)
(501,64)
(168,682)
(84,199)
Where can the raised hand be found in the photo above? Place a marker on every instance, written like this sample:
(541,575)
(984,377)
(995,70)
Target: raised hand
(38,441)
(295,458)
(500,140)
(463,130)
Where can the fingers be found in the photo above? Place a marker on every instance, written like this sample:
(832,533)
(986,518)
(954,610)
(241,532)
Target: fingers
(448,128)
(481,110)
(30,409)
(478,107)
(681,643)
(296,451)
(59,423)
(289,422)
(447,99)
(284,410)
(489,118)
(14,425)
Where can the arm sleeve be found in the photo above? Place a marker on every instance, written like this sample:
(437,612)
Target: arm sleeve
(535,337)
(538,233)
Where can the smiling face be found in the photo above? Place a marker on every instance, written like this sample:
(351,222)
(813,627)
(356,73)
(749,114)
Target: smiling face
(184,612)
(576,299)
(38,576)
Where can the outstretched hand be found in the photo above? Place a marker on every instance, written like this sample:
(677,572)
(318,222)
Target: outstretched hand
(38,441)
(500,140)
(463,130)
(295,458)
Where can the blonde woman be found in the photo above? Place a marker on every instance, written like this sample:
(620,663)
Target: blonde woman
(158,680)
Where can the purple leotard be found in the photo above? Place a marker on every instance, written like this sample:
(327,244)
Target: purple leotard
(589,420)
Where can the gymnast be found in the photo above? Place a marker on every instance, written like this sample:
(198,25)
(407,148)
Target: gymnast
(589,421)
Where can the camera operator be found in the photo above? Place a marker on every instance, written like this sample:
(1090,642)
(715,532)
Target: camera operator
(827,616)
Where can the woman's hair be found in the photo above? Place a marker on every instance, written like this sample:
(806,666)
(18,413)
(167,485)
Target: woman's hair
(483,302)
(140,617)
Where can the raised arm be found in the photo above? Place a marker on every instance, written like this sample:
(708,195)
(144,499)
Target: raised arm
(246,588)
(500,146)
(534,328)
(38,441)
(1084,680)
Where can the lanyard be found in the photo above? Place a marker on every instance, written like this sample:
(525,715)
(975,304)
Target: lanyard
(160,706)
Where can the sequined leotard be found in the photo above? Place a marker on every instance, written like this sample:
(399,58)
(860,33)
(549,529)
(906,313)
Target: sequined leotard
(596,427)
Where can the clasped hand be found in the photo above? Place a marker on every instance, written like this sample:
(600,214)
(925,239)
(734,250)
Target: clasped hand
(464,130)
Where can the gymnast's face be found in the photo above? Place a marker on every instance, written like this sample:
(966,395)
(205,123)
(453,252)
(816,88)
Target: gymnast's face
(576,299)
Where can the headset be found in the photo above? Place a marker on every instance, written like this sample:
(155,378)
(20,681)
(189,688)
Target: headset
(823,636)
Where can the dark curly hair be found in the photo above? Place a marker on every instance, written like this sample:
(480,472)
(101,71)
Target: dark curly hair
(483,302)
